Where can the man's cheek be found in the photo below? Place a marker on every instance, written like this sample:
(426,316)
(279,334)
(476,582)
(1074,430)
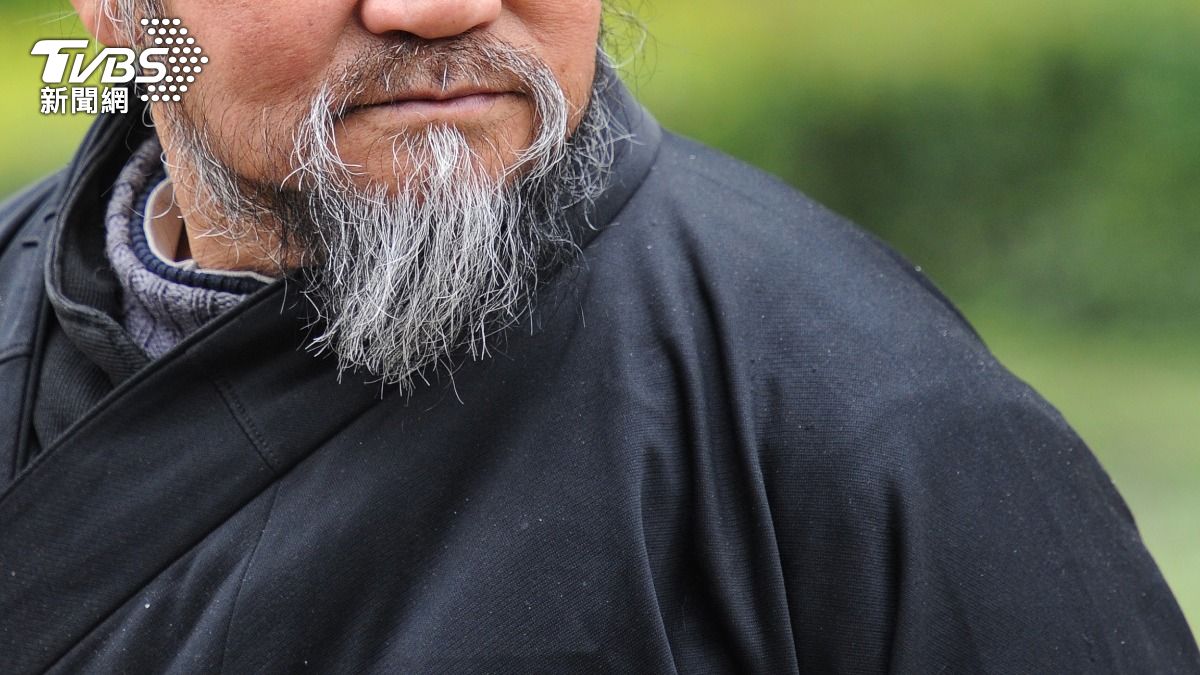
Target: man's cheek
(274,78)
(251,63)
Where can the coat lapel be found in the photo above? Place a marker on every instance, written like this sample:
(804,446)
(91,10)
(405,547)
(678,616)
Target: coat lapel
(163,461)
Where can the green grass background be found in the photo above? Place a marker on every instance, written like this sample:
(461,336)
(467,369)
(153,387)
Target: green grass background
(1040,160)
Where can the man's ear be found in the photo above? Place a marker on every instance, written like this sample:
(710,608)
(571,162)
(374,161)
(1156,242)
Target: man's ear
(100,19)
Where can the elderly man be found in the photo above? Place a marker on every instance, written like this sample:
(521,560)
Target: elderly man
(397,337)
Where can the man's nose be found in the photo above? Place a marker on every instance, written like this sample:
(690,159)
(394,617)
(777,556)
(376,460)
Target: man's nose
(429,19)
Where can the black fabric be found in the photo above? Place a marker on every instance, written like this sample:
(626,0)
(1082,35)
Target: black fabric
(79,281)
(741,436)
(69,384)
(83,351)
(24,313)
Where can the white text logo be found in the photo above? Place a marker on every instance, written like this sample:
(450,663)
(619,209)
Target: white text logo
(162,71)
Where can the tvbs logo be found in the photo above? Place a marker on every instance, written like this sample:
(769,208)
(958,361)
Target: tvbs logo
(161,72)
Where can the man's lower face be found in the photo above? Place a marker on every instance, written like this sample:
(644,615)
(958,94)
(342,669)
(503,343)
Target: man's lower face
(374,122)
(421,191)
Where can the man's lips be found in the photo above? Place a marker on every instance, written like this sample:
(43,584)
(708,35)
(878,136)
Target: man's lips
(433,103)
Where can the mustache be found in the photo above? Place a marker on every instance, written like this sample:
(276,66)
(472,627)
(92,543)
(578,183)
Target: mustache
(412,67)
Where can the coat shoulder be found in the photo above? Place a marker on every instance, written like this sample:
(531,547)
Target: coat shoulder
(745,226)
(787,284)
(888,437)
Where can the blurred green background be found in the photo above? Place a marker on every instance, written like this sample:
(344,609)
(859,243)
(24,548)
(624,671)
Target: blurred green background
(1041,161)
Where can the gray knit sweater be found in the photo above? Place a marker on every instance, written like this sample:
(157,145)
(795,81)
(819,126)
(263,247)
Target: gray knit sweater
(162,302)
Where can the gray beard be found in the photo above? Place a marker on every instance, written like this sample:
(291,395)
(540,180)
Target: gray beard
(416,278)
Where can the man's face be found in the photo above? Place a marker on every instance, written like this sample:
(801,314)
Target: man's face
(269,58)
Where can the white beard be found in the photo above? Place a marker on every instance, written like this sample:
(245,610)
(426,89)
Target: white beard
(405,279)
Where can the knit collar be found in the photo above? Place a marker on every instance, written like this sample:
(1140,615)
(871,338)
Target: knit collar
(162,301)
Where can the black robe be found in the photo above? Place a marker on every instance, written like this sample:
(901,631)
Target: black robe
(740,435)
